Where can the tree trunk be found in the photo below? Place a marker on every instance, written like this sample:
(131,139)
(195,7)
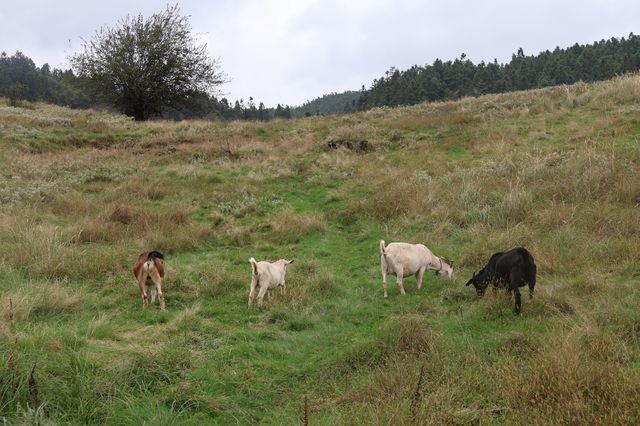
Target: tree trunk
(139,114)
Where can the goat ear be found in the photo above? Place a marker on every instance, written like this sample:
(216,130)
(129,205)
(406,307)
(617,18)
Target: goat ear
(290,261)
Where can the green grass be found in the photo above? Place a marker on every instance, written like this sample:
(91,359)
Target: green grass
(554,170)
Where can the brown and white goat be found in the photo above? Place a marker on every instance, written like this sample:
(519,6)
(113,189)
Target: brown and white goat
(267,276)
(149,272)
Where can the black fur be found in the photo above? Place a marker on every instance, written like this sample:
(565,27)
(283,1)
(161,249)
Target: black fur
(363,145)
(511,270)
(155,255)
(338,143)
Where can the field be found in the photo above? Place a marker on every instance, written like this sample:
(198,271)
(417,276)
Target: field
(554,170)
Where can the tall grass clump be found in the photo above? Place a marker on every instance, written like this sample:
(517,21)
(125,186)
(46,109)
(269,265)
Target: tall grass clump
(401,337)
(573,382)
(38,249)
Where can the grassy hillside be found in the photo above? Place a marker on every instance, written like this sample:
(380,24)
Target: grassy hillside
(554,170)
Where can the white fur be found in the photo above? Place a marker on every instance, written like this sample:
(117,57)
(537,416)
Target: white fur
(267,276)
(404,259)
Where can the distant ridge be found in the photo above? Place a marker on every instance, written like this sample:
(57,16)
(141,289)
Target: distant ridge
(333,103)
(449,80)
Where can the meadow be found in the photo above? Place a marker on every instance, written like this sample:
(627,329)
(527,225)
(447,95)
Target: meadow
(555,170)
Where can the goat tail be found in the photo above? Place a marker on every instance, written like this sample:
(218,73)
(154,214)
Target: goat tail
(254,265)
(149,265)
(382,247)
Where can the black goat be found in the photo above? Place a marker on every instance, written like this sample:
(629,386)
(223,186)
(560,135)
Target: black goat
(363,145)
(511,270)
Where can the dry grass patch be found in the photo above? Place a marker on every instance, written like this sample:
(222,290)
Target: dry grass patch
(171,230)
(569,382)
(175,239)
(6,222)
(353,132)
(289,227)
(395,195)
(134,186)
(96,230)
(395,380)
(546,303)
(37,249)
(40,300)
(71,204)
(45,250)
(122,214)
(623,90)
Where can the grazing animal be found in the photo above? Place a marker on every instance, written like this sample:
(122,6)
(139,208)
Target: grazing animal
(149,272)
(363,145)
(511,270)
(266,276)
(404,259)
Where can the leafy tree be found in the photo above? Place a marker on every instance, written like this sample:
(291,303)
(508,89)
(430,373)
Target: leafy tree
(263,114)
(454,79)
(18,75)
(251,112)
(15,93)
(145,65)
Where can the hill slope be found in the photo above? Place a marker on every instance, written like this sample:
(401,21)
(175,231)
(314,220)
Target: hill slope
(554,170)
(333,103)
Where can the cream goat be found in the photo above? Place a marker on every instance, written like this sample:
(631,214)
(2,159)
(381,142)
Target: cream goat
(404,259)
(267,277)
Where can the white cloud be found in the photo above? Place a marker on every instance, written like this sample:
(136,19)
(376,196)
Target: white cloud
(281,51)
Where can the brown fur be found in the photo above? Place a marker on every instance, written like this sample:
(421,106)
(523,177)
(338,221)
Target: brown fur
(149,272)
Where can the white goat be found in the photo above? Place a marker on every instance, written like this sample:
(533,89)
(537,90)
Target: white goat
(267,276)
(404,259)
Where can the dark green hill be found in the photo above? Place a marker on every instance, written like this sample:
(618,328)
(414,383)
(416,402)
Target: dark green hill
(333,103)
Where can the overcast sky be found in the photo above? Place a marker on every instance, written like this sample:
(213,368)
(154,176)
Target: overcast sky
(290,51)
